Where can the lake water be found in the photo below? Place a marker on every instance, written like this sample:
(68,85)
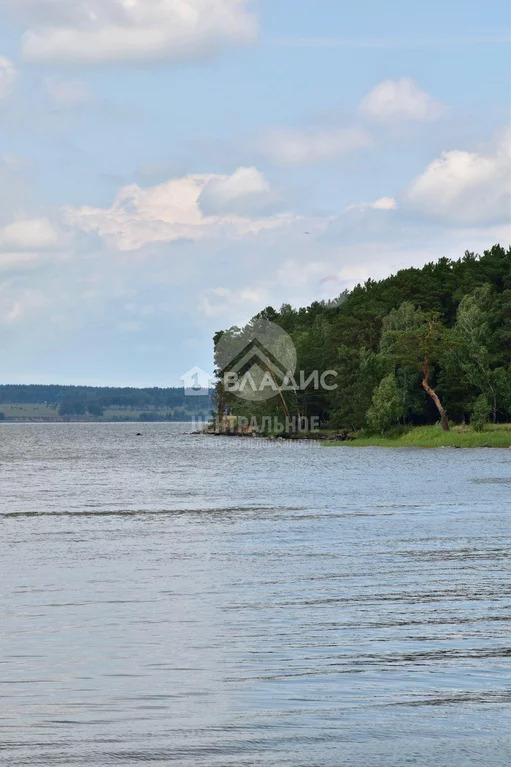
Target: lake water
(185,600)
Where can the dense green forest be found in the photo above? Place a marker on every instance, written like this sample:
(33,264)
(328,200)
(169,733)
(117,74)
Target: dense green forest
(93,401)
(422,346)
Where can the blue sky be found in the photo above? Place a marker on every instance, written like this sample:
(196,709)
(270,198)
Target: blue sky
(160,162)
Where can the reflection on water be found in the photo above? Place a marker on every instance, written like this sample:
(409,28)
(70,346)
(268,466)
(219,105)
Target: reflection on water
(172,599)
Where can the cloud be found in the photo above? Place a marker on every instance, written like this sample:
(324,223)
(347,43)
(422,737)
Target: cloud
(29,304)
(247,192)
(28,241)
(29,235)
(394,100)
(16,183)
(306,147)
(382,203)
(8,76)
(102,31)
(172,211)
(18,260)
(244,302)
(296,274)
(467,187)
(67,92)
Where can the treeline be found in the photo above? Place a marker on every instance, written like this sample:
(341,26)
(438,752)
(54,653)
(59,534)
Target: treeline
(423,346)
(93,401)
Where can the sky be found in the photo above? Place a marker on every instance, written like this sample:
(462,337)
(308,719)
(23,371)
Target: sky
(168,168)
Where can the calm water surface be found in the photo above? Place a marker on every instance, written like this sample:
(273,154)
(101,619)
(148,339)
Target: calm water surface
(184,600)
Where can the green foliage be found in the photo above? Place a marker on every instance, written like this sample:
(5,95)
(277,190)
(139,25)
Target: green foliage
(411,336)
(95,409)
(502,379)
(474,342)
(481,413)
(72,408)
(405,319)
(387,405)
(450,319)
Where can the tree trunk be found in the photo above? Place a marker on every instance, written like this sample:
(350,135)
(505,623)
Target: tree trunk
(220,407)
(288,414)
(434,396)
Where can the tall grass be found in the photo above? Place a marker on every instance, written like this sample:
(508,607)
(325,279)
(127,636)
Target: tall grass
(498,435)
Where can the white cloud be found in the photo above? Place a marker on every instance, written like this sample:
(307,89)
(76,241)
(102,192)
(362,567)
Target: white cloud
(217,302)
(29,303)
(100,31)
(394,100)
(8,76)
(67,92)
(11,163)
(382,203)
(344,277)
(467,187)
(246,192)
(29,235)
(171,211)
(306,147)
(17,260)
(296,274)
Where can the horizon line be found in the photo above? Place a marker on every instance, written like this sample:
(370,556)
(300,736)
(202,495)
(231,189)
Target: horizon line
(99,386)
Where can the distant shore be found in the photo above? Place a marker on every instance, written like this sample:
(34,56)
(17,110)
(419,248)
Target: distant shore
(86,419)
(18,412)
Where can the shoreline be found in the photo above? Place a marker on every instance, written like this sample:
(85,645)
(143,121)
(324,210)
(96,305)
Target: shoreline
(429,437)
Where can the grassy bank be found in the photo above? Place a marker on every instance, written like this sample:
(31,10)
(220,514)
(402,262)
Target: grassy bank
(432,436)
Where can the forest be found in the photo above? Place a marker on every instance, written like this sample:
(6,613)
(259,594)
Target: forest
(150,404)
(424,346)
